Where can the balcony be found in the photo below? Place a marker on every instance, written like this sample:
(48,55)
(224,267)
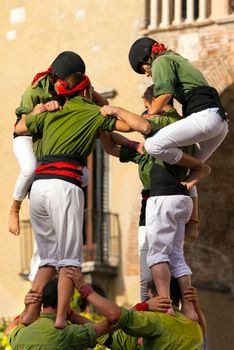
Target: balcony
(172,14)
(101,244)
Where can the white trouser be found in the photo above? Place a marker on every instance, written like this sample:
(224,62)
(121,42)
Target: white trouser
(35,261)
(145,273)
(205,127)
(22,146)
(56,211)
(166,217)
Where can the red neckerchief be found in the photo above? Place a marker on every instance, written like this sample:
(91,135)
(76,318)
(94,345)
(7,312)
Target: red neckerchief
(41,74)
(62,87)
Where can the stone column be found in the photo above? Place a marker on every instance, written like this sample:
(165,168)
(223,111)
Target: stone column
(190,11)
(177,12)
(202,10)
(165,14)
(153,14)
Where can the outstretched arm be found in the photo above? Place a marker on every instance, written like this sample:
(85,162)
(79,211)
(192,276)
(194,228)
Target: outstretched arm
(158,103)
(109,146)
(112,141)
(134,121)
(106,307)
(30,298)
(21,127)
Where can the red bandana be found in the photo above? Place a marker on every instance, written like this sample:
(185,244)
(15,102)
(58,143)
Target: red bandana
(158,48)
(39,75)
(62,87)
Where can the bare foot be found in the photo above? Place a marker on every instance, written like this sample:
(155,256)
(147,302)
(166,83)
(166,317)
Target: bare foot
(191,230)
(189,312)
(14,222)
(196,175)
(31,316)
(60,322)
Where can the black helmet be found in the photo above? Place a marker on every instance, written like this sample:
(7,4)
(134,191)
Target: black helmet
(66,63)
(140,52)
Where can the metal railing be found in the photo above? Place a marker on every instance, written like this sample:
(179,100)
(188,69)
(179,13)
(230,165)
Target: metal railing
(101,235)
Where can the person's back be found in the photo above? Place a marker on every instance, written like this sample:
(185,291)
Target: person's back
(42,335)
(162,331)
(75,126)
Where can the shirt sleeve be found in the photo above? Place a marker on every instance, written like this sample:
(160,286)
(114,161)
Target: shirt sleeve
(28,101)
(159,122)
(13,333)
(129,155)
(139,323)
(82,336)
(164,76)
(119,341)
(108,123)
(35,123)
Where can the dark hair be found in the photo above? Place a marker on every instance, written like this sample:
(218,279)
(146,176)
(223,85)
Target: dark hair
(175,292)
(149,94)
(50,294)
(74,79)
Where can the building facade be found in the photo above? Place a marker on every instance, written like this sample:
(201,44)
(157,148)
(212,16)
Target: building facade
(32,33)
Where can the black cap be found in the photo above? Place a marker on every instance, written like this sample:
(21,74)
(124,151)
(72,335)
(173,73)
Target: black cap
(140,52)
(66,63)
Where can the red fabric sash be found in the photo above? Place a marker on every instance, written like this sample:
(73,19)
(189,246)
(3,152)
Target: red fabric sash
(60,168)
(41,74)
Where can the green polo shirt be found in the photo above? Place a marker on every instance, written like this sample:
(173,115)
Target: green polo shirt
(174,74)
(42,335)
(119,340)
(162,331)
(40,92)
(146,161)
(71,130)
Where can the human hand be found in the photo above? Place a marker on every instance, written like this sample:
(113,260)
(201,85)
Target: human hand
(32,297)
(190,294)
(140,147)
(75,274)
(52,105)
(107,110)
(160,304)
(39,108)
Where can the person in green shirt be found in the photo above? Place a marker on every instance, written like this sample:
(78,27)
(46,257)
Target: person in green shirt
(145,163)
(27,148)
(79,332)
(158,329)
(169,207)
(204,121)
(56,197)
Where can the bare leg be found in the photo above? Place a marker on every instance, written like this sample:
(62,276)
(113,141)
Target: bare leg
(162,277)
(14,221)
(65,292)
(192,227)
(187,306)
(44,274)
(198,169)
